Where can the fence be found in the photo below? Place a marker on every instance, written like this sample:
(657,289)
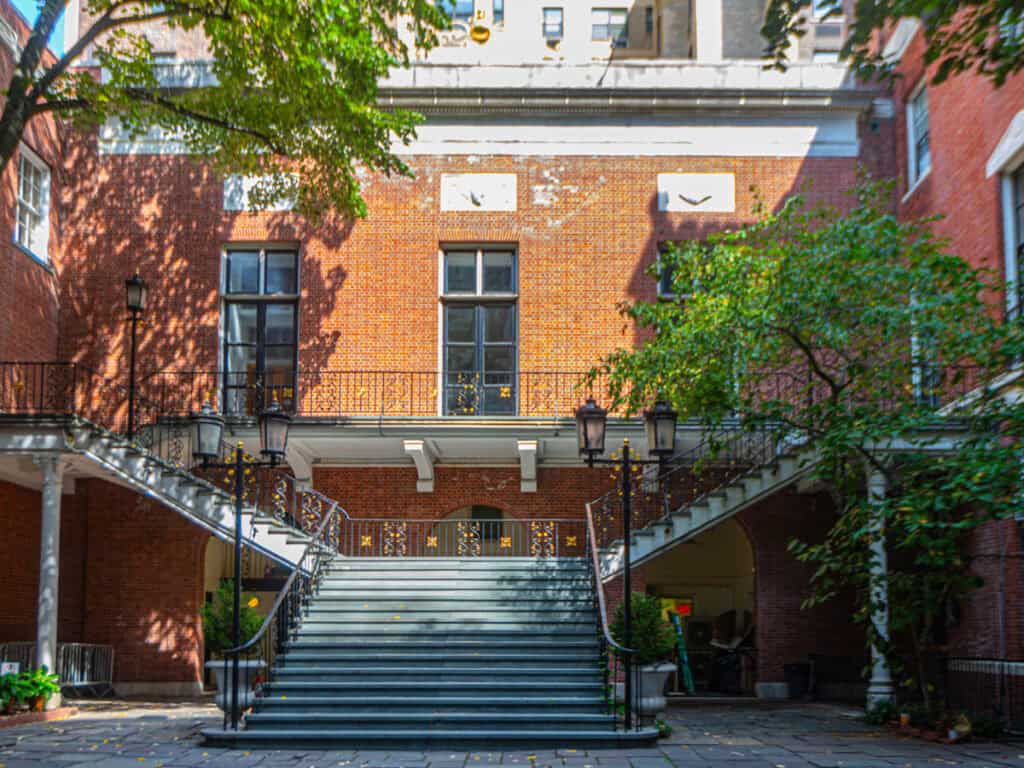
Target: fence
(79,665)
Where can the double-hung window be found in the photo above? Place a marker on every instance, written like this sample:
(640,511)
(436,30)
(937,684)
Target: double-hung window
(918,138)
(1018,238)
(261,294)
(480,334)
(609,24)
(553,23)
(32,225)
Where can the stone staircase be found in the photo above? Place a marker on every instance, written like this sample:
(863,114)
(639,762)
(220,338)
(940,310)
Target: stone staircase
(199,500)
(441,652)
(693,518)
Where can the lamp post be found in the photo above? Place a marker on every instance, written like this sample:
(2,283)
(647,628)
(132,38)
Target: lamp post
(136,292)
(660,427)
(207,432)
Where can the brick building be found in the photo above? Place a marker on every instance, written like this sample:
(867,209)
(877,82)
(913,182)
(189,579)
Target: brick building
(431,351)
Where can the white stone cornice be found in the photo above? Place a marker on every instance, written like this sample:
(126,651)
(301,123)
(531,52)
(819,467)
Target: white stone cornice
(1009,152)
(529,454)
(423,457)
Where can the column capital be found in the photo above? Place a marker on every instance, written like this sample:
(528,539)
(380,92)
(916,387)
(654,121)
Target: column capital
(52,466)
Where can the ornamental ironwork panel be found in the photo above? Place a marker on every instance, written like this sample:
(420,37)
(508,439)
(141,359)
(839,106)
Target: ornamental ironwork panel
(542,538)
(468,537)
(396,538)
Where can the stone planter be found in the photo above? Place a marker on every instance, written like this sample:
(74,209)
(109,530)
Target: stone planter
(650,699)
(247,673)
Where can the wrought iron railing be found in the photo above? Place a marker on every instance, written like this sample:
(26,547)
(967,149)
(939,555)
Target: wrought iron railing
(79,665)
(507,537)
(334,394)
(285,614)
(616,660)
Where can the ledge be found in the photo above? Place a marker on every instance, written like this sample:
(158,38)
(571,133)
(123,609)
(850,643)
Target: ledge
(28,718)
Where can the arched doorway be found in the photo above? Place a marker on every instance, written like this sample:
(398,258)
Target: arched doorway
(709,582)
(476,530)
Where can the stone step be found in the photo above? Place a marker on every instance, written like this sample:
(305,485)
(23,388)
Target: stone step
(439,637)
(449,659)
(425,673)
(509,597)
(444,645)
(432,703)
(426,721)
(414,612)
(283,687)
(407,624)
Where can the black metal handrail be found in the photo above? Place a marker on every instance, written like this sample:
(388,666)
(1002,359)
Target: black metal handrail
(286,610)
(611,651)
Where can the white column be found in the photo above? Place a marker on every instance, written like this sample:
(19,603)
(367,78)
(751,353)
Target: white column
(708,30)
(880,688)
(52,467)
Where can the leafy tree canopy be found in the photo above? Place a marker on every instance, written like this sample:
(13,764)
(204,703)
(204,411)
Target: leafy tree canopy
(288,94)
(861,336)
(983,35)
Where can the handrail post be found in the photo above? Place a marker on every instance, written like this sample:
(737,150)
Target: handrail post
(627,634)
(237,629)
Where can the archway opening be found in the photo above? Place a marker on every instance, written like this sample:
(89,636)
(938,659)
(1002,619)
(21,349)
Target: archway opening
(709,584)
(476,530)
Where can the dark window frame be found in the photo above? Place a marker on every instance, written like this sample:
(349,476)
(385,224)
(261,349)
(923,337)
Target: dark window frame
(607,31)
(548,31)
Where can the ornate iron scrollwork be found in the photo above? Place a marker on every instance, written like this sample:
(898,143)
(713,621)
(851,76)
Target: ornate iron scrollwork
(542,538)
(396,538)
(469,539)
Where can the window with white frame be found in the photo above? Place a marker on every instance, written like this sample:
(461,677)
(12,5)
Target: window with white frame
(609,24)
(1018,237)
(480,334)
(32,224)
(261,295)
(499,11)
(553,23)
(918,138)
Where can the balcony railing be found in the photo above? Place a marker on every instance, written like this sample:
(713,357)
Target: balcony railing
(334,394)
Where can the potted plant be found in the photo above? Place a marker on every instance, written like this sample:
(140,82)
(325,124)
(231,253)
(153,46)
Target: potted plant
(37,686)
(653,640)
(218,634)
(11,693)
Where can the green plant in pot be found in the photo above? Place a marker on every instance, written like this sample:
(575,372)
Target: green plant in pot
(653,639)
(218,634)
(37,686)
(13,692)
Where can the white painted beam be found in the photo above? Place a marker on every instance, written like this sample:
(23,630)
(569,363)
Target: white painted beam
(423,458)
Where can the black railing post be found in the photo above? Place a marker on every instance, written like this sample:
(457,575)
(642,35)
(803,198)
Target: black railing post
(627,635)
(131,375)
(237,628)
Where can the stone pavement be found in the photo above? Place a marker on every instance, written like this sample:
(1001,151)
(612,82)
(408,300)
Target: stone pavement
(121,734)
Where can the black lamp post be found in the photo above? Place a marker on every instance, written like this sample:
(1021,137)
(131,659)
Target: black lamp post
(136,293)
(660,426)
(207,433)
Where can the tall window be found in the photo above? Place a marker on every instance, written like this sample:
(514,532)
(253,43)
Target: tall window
(553,23)
(499,11)
(460,10)
(919,147)
(261,293)
(32,228)
(608,24)
(480,331)
(1018,234)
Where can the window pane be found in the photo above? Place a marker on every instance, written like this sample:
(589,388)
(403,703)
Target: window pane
(461,359)
(280,324)
(498,272)
(460,273)
(499,11)
(243,272)
(242,364)
(499,323)
(278,361)
(461,325)
(499,400)
(497,359)
(281,272)
(241,323)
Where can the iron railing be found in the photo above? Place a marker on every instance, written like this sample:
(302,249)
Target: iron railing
(79,665)
(286,613)
(989,689)
(616,660)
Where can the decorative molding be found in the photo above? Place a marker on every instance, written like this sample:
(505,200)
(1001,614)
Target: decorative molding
(697,192)
(423,457)
(478,191)
(236,194)
(900,40)
(1009,152)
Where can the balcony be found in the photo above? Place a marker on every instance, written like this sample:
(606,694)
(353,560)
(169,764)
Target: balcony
(328,395)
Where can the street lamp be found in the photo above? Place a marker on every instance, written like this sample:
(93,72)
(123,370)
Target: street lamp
(136,293)
(660,426)
(207,433)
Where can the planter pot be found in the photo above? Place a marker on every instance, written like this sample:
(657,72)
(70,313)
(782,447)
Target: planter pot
(38,704)
(248,671)
(650,699)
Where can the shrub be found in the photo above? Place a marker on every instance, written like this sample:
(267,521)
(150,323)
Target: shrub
(652,636)
(218,619)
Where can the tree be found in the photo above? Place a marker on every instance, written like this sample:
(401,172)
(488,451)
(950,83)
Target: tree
(858,335)
(288,93)
(984,35)
(218,619)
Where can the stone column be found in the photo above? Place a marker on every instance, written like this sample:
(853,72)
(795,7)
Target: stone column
(52,468)
(880,688)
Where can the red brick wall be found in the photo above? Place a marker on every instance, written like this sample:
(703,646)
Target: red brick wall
(369,289)
(785,632)
(967,117)
(131,576)
(391,491)
(28,303)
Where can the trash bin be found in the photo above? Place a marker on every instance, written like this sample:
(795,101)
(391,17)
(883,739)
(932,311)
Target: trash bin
(798,679)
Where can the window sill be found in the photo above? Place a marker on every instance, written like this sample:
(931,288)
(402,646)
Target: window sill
(477,297)
(913,187)
(43,262)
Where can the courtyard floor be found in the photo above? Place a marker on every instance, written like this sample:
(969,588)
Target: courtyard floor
(120,734)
